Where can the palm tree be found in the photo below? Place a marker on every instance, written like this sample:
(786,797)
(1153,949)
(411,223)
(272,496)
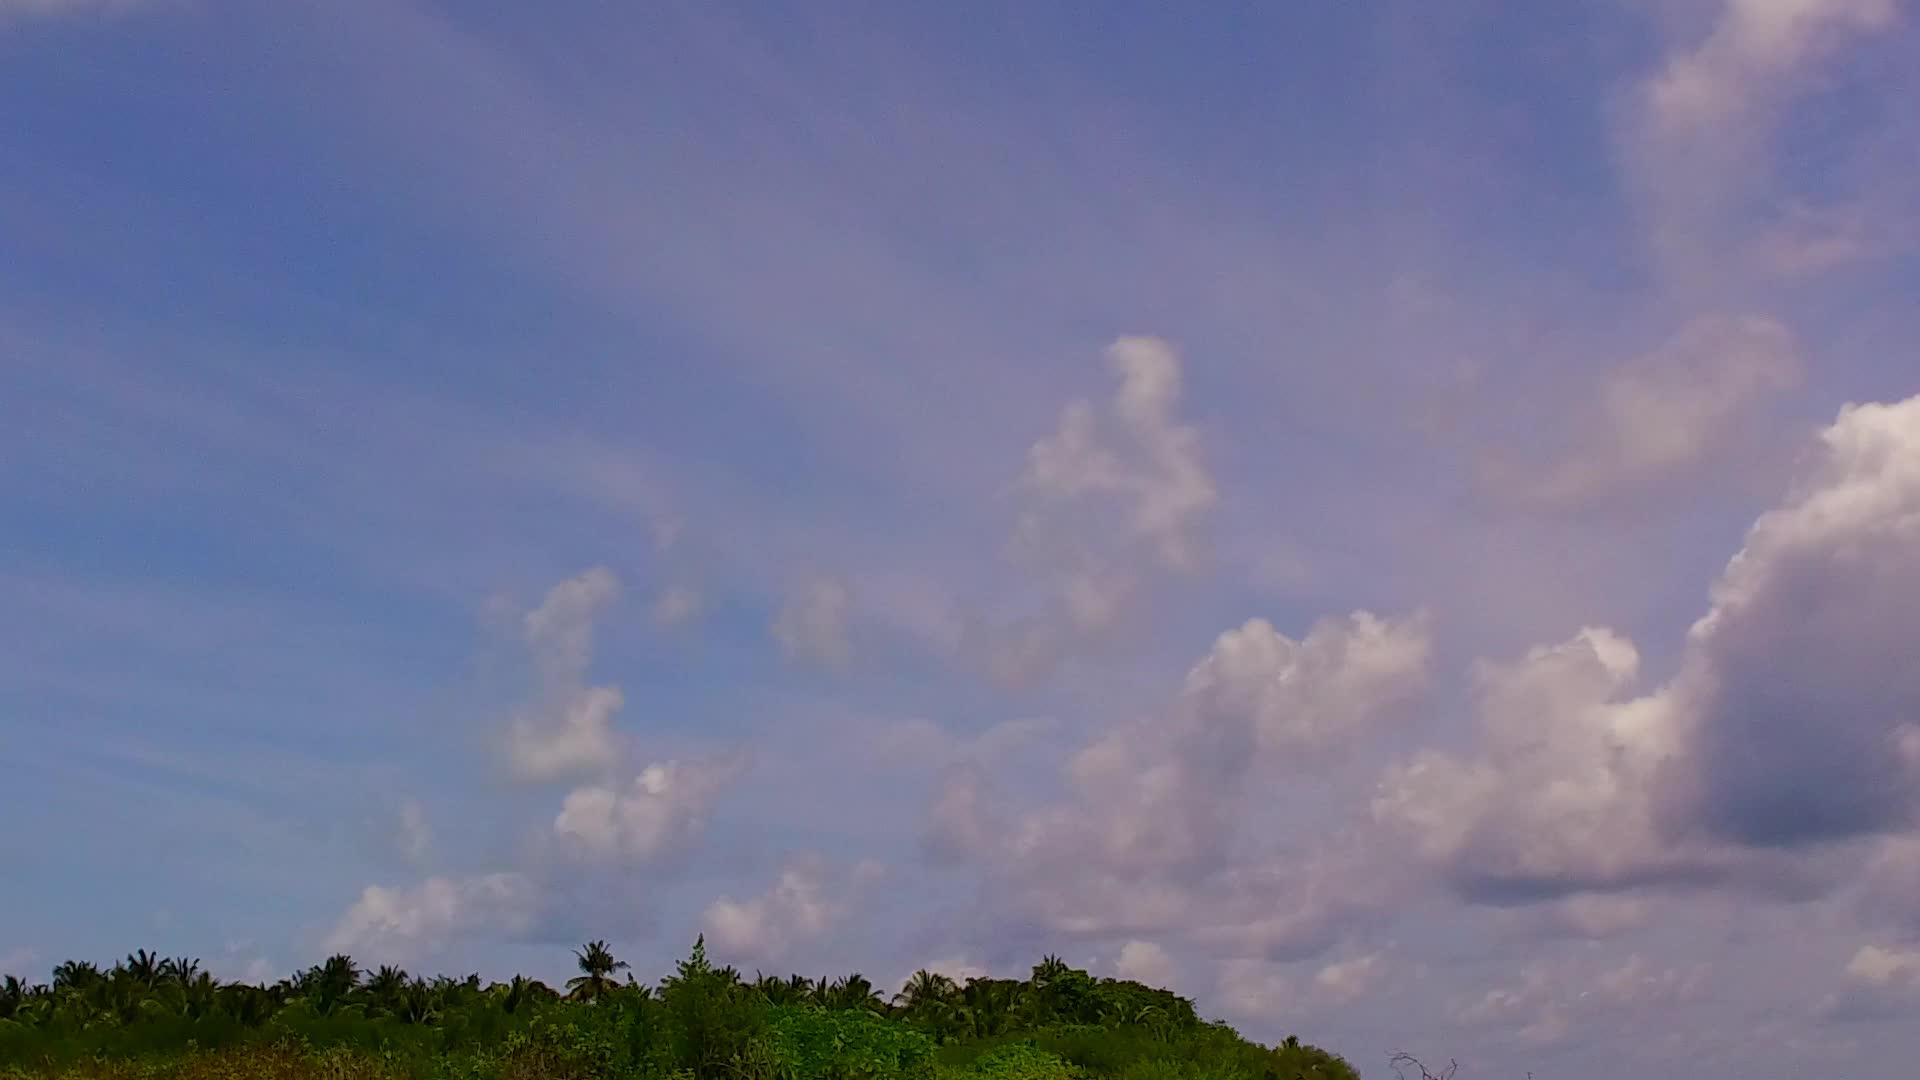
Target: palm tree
(180,969)
(597,965)
(77,975)
(340,973)
(856,992)
(925,991)
(518,992)
(820,992)
(194,997)
(419,1003)
(250,1005)
(327,985)
(13,997)
(1048,970)
(986,1005)
(384,986)
(775,990)
(144,968)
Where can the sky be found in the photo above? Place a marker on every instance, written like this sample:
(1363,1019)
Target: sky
(1400,521)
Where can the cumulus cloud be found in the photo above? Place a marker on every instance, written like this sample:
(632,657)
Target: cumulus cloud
(414,835)
(807,900)
(1255,987)
(1696,141)
(1755,48)
(811,624)
(1808,697)
(1297,697)
(1135,454)
(569,731)
(560,630)
(1145,842)
(1251,987)
(1145,962)
(1113,496)
(572,738)
(1550,1001)
(1790,722)
(1660,419)
(919,741)
(242,961)
(1165,794)
(1889,892)
(676,605)
(1879,982)
(409,922)
(1599,915)
(660,814)
(1346,981)
(1560,796)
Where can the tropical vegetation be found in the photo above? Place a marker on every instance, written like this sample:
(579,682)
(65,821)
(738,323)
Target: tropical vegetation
(149,1017)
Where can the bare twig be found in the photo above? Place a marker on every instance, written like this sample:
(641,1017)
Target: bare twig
(1401,1061)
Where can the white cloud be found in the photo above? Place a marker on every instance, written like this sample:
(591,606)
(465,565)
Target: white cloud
(1527,1010)
(1880,966)
(1810,239)
(1806,690)
(414,835)
(1560,795)
(1300,696)
(1145,962)
(1345,981)
(1698,142)
(1552,1000)
(811,624)
(1136,453)
(677,604)
(1661,418)
(411,922)
(573,738)
(1247,986)
(560,630)
(1890,883)
(1753,49)
(1145,842)
(964,821)
(660,814)
(807,900)
(1879,982)
(1167,793)
(922,742)
(569,730)
(1600,915)
(1785,727)
(1111,497)
(242,961)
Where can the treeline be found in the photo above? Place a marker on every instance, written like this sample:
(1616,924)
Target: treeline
(154,1018)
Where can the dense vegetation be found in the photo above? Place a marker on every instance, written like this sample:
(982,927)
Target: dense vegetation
(148,1018)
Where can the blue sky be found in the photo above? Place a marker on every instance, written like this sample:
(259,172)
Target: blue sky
(1396,519)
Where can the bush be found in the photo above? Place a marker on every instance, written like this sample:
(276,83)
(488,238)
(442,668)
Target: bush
(808,1043)
(1022,1061)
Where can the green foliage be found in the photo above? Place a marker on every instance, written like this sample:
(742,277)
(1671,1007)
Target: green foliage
(149,1018)
(805,1042)
(1023,1061)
